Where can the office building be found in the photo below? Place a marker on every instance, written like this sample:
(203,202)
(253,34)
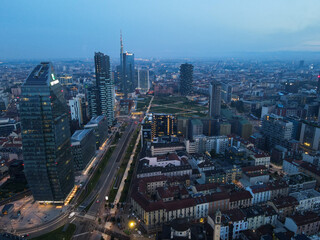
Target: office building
(83,147)
(93,100)
(214,99)
(310,136)
(7,126)
(143,80)
(105,87)
(129,84)
(46,136)
(100,126)
(186,78)
(226,92)
(75,105)
(318,85)
(195,128)
(163,125)
(276,130)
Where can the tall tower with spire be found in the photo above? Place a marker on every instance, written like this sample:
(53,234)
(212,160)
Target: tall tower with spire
(121,50)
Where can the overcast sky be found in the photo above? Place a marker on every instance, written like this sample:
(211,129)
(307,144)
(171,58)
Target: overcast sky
(32,29)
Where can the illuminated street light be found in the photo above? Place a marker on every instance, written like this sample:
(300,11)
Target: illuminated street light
(132,224)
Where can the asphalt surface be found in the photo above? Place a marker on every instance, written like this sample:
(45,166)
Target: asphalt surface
(106,179)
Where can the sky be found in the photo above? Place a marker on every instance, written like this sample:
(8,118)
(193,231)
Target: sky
(49,29)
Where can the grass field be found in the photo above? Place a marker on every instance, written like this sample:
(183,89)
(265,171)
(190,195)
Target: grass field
(58,234)
(180,106)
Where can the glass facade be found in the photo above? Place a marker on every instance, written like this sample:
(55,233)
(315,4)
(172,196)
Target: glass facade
(46,136)
(129,83)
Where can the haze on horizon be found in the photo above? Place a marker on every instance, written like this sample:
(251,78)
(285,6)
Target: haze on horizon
(168,28)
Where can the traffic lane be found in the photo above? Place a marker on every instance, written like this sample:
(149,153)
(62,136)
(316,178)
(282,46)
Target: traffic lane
(106,174)
(108,180)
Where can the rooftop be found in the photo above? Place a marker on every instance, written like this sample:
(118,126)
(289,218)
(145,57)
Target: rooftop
(306,194)
(80,134)
(42,74)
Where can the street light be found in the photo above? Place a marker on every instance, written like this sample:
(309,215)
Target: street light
(132,224)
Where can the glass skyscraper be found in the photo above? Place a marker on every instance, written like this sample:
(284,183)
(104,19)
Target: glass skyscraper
(104,88)
(129,83)
(186,79)
(214,99)
(46,136)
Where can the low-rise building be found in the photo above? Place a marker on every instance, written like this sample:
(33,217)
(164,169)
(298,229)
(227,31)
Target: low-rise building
(309,200)
(252,175)
(307,223)
(100,126)
(300,182)
(284,206)
(164,148)
(83,148)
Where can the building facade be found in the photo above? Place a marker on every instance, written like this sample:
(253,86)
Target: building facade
(46,136)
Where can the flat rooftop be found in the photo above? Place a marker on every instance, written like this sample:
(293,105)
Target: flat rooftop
(302,195)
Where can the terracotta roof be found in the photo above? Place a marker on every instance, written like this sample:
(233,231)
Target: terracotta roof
(254,168)
(306,218)
(241,195)
(234,215)
(206,187)
(179,204)
(284,202)
(310,167)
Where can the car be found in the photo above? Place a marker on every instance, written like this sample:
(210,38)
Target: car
(98,201)
(72,214)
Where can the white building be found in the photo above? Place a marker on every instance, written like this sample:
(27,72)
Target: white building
(309,200)
(290,166)
(207,143)
(261,159)
(260,193)
(163,160)
(202,207)
(76,110)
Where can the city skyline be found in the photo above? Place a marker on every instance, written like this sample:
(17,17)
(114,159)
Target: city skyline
(76,29)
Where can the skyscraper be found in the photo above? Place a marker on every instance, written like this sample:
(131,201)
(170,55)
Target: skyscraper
(226,92)
(129,84)
(215,99)
(186,78)
(46,136)
(143,80)
(318,85)
(104,87)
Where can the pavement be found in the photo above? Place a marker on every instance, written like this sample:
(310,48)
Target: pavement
(32,215)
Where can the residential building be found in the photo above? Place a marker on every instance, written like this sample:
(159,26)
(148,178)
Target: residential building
(75,105)
(104,87)
(163,125)
(186,79)
(307,223)
(214,99)
(309,200)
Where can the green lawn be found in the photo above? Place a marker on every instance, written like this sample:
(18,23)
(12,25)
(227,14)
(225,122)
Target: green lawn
(142,105)
(180,106)
(58,234)
(122,168)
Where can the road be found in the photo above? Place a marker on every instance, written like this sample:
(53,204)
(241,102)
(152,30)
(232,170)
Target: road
(108,175)
(63,218)
(104,185)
